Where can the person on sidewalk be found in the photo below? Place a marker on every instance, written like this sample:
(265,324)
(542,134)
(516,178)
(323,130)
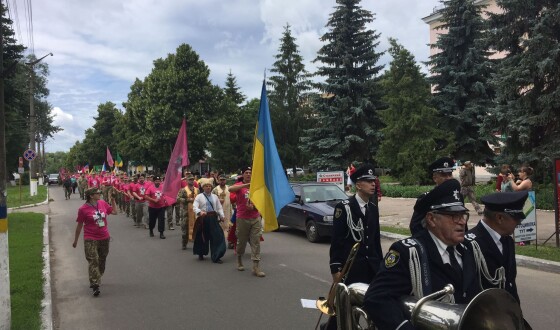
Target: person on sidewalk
(468,182)
(248,223)
(356,220)
(208,234)
(156,207)
(441,171)
(92,217)
(491,238)
(425,263)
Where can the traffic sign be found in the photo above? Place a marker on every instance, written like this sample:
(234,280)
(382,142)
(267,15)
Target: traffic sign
(29,154)
(20,161)
(21,170)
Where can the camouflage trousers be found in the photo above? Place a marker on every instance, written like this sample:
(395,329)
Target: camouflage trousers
(96,255)
(169,214)
(105,192)
(184,223)
(141,217)
(81,190)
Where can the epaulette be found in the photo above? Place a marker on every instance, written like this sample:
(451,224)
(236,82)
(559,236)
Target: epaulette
(344,202)
(470,236)
(408,242)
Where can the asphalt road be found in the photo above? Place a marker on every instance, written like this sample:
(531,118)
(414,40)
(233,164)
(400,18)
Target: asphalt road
(151,283)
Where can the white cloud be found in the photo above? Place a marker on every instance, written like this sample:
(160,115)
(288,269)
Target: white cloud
(101,46)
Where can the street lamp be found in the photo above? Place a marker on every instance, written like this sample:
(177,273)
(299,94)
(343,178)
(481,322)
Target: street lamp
(32,119)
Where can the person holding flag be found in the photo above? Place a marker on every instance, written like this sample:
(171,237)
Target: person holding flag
(269,190)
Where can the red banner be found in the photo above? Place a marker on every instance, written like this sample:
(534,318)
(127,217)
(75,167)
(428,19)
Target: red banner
(179,158)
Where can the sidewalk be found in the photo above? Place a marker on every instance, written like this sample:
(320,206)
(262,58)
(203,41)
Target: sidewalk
(396,212)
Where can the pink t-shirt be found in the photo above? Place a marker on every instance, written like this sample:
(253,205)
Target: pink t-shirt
(242,198)
(91,216)
(140,190)
(93,182)
(155,193)
(124,188)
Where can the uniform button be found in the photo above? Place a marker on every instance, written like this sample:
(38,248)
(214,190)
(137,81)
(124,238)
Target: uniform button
(367,257)
(367,247)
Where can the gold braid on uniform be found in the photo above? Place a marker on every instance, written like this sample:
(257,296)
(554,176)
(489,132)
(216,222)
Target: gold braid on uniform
(499,278)
(356,229)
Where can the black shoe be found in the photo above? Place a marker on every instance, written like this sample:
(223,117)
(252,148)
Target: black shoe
(219,261)
(151,233)
(96,290)
(200,257)
(161,236)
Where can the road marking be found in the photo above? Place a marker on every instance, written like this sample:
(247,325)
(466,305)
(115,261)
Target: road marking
(307,274)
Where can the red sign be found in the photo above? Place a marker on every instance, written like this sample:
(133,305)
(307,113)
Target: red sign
(20,162)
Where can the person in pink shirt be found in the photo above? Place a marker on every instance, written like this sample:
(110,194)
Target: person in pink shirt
(156,207)
(130,191)
(92,217)
(93,181)
(141,209)
(249,225)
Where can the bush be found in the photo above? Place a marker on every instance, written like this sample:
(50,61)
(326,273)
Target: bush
(543,193)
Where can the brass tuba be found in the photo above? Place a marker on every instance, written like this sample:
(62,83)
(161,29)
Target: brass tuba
(326,306)
(492,309)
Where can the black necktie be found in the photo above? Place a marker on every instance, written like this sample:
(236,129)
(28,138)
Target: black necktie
(453,260)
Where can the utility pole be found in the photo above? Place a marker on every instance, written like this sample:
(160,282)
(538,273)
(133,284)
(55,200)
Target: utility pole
(32,130)
(5,303)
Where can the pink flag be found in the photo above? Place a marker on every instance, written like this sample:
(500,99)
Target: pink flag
(179,158)
(110,161)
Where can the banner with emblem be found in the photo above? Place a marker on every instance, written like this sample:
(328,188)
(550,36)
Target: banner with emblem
(527,229)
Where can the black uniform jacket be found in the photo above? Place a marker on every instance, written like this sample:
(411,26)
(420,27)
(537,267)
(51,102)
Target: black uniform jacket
(417,217)
(495,258)
(382,300)
(369,256)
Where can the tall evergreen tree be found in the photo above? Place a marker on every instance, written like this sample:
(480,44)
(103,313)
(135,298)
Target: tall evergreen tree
(288,99)
(348,125)
(460,75)
(411,137)
(233,91)
(527,83)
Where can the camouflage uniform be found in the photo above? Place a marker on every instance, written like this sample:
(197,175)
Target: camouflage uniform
(185,198)
(169,215)
(82,186)
(96,255)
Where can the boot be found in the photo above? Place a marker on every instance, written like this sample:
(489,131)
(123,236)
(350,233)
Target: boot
(256,271)
(184,242)
(151,233)
(240,264)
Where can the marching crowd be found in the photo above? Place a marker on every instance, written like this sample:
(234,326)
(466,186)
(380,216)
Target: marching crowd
(441,251)
(207,210)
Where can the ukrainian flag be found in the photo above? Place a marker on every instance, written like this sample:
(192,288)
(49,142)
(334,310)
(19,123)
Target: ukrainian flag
(270,189)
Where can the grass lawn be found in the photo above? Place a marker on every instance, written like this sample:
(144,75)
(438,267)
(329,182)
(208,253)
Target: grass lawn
(25,239)
(13,195)
(542,252)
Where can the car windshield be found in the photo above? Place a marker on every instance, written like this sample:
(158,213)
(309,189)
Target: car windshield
(322,193)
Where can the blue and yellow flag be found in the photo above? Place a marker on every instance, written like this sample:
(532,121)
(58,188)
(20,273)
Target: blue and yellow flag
(270,189)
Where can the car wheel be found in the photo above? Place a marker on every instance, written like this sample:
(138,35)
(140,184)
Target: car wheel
(311,232)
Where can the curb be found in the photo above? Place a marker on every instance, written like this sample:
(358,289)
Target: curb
(46,303)
(45,202)
(522,261)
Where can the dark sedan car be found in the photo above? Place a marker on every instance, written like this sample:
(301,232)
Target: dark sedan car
(312,210)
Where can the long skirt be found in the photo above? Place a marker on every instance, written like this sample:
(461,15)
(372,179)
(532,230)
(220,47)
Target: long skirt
(209,236)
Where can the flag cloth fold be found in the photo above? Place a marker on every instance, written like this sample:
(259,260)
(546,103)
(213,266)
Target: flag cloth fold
(103,169)
(85,169)
(270,189)
(118,161)
(179,158)
(110,161)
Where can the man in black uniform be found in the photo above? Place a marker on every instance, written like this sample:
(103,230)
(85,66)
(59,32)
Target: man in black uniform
(442,173)
(425,262)
(356,220)
(502,213)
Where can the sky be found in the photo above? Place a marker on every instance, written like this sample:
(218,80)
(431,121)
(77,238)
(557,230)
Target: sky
(101,46)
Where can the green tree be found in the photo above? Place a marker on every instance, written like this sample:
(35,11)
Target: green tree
(348,125)
(527,111)
(460,74)
(411,137)
(93,148)
(54,161)
(223,139)
(288,100)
